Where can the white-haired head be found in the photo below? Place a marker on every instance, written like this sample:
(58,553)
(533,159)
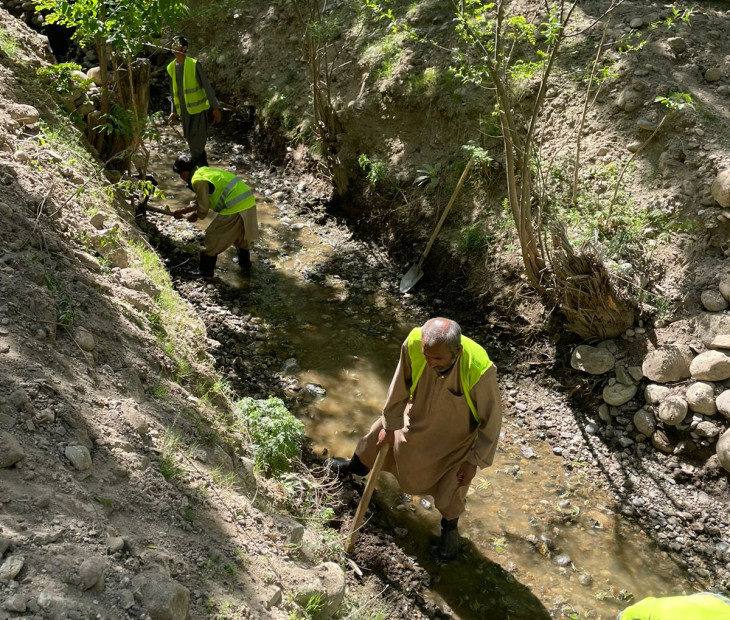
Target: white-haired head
(441,331)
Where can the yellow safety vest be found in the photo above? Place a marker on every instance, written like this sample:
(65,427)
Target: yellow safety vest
(231,194)
(474,362)
(701,606)
(196,100)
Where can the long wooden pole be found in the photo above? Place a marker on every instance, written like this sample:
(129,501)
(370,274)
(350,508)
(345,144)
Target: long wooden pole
(441,221)
(362,507)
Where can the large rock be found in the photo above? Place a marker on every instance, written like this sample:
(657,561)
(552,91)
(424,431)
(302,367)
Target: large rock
(721,188)
(22,113)
(630,100)
(722,403)
(706,428)
(10,450)
(713,301)
(292,530)
(706,326)
(162,597)
(711,366)
(721,341)
(701,398)
(10,568)
(713,74)
(644,422)
(138,281)
(129,378)
(592,360)
(79,457)
(618,394)
(328,583)
(668,364)
(91,574)
(723,450)
(672,410)
(661,442)
(16,603)
(725,287)
(677,44)
(84,338)
(94,74)
(654,393)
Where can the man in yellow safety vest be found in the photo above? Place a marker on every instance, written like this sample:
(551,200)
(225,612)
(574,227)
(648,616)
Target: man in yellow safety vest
(234,204)
(192,97)
(442,417)
(699,606)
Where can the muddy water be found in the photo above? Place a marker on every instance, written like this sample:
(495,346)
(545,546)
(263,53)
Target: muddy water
(525,516)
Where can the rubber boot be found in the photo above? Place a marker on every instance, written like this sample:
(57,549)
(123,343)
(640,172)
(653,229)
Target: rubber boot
(207,265)
(344,468)
(244,262)
(201,160)
(449,542)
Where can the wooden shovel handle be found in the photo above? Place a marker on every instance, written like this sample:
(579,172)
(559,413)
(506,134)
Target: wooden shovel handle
(365,500)
(442,219)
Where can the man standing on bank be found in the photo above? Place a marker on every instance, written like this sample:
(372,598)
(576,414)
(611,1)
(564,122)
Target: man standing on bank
(442,417)
(235,206)
(190,87)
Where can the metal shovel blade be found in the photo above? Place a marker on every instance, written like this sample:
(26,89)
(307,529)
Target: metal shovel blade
(413,275)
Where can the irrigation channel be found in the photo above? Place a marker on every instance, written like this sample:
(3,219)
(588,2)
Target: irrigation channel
(540,538)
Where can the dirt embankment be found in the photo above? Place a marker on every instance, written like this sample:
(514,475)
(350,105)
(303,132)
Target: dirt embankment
(126,490)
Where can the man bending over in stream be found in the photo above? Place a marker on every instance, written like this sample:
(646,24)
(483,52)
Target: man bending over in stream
(234,203)
(442,417)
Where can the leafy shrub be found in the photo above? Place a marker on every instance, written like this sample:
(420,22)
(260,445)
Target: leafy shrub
(374,169)
(64,79)
(276,434)
(428,176)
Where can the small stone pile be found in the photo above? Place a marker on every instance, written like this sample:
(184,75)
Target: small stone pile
(686,390)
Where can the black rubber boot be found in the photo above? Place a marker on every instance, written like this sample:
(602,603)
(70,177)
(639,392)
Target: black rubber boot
(244,262)
(207,265)
(201,160)
(449,543)
(344,468)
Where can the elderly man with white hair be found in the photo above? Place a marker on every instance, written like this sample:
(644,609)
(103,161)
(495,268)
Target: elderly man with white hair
(442,417)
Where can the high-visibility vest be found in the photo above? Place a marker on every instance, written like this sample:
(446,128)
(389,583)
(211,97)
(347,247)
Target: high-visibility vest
(231,194)
(701,606)
(196,100)
(474,362)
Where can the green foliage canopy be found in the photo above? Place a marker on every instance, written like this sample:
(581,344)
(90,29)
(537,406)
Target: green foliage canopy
(124,25)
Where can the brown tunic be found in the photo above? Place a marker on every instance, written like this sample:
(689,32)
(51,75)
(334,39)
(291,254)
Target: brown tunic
(436,432)
(239,229)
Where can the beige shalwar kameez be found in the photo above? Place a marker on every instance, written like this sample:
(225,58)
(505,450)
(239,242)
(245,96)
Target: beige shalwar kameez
(436,432)
(239,229)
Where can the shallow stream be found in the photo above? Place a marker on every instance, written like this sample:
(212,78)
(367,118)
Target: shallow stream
(539,539)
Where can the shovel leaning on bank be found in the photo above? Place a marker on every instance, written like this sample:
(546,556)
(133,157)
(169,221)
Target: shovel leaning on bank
(415,273)
(362,507)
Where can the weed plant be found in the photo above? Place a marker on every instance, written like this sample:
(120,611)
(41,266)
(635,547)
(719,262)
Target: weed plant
(63,79)
(7,43)
(171,445)
(374,169)
(64,303)
(277,436)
